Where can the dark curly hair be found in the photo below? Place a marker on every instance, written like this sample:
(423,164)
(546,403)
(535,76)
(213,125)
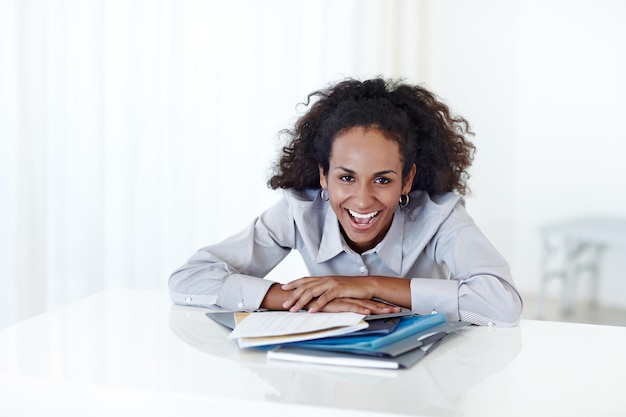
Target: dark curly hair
(428,134)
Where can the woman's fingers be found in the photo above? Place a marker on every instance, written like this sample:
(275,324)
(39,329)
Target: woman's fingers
(346,304)
(303,291)
(303,295)
(359,306)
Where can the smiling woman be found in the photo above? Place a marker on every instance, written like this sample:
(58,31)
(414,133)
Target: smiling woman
(364,185)
(373,178)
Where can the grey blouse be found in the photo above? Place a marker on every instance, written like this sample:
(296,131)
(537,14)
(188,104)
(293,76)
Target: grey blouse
(452,266)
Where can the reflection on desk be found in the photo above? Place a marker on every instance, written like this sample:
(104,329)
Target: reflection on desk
(130,352)
(467,356)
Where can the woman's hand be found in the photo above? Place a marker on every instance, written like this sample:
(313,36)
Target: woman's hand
(356,305)
(335,293)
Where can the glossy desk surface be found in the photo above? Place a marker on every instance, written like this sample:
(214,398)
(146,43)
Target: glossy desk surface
(131,352)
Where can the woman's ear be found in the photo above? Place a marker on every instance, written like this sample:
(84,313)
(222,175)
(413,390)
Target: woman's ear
(408,181)
(323,180)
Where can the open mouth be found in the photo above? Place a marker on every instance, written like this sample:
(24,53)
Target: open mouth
(366,218)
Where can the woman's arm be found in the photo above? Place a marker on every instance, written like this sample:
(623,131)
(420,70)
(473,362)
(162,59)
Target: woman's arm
(300,295)
(480,289)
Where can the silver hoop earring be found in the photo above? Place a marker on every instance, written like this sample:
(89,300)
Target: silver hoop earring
(324,196)
(404,200)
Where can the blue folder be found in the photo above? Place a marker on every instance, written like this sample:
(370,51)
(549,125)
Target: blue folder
(411,332)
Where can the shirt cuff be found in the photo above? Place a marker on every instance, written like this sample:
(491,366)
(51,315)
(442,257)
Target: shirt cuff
(243,292)
(432,296)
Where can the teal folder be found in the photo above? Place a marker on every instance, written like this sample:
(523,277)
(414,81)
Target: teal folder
(405,334)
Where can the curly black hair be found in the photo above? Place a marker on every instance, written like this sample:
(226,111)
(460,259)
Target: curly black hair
(429,135)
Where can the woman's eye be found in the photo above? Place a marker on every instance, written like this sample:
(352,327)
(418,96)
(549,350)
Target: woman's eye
(346,178)
(381,181)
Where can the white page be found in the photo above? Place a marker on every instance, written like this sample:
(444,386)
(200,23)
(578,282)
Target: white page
(280,323)
(247,342)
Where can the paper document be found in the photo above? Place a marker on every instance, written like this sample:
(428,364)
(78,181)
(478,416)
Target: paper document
(280,323)
(280,327)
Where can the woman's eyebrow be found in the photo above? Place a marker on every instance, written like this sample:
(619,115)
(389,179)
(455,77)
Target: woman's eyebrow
(385,172)
(379,173)
(347,170)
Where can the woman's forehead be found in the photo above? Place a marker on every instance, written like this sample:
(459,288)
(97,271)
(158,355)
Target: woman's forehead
(365,148)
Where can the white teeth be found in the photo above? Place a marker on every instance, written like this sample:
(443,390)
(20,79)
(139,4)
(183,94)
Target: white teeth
(363,216)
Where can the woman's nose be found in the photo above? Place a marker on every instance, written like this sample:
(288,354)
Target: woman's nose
(363,196)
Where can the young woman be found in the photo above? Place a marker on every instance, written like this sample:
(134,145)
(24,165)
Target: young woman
(373,179)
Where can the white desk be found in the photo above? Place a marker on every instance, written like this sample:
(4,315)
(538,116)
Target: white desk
(130,352)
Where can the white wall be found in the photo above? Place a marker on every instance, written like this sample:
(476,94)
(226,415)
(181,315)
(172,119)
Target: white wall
(571,113)
(543,84)
(132,133)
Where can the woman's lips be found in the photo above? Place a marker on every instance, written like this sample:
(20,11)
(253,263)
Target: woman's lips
(363,219)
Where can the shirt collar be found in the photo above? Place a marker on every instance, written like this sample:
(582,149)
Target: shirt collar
(389,250)
(331,243)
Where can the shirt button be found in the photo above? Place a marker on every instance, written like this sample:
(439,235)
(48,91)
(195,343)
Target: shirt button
(240,305)
(434,312)
(362,269)
(188,299)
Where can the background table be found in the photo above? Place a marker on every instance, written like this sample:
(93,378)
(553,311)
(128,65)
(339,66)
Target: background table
(131,352)
(574,248)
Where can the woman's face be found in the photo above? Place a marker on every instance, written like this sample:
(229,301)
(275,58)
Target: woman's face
(364,184)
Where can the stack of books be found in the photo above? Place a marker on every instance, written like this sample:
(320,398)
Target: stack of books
(392,341)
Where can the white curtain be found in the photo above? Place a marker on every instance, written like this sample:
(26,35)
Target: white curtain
(134,132)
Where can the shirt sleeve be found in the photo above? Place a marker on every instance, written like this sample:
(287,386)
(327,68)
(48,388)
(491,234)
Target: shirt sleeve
(229,274)
(480,289)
